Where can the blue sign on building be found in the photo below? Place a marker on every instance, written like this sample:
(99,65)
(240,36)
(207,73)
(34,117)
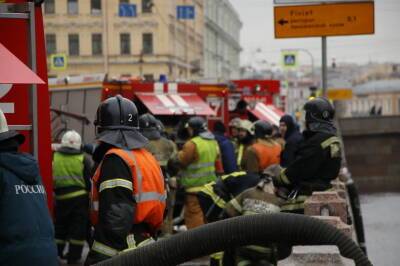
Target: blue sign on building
(127,10)
(185,12)
(58,61)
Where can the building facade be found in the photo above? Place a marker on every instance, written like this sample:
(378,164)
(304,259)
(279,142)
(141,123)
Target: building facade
(125,38)
(221,40)
(378,97)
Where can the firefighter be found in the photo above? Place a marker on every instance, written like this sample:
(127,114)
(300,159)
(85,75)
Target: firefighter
(318,158)
(163,150)
(260,199)
(26,229)
(246,139)
(214,195)
(71,174)
(234,132)
(128,195)
(264,152)
(199,160)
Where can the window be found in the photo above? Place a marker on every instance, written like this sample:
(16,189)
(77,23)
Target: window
(125,40)
(95,7)
(51,45)
(73,44)
(73,7)
(147,6)
(148,77)
(49,7)
(147,43)
(97,46)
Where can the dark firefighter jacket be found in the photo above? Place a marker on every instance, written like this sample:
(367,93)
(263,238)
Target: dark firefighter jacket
(117,207)
(214,195)
(317,163)
(26,230)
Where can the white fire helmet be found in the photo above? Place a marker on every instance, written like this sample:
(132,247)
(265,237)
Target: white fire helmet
(71,139)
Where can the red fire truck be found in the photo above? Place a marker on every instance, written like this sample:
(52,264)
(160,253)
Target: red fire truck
(23,74)
(256,99)
(171,102)
(248,99)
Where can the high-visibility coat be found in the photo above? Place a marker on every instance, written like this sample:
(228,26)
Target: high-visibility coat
(148,188)
(202,171)
(68,172)
(267,154)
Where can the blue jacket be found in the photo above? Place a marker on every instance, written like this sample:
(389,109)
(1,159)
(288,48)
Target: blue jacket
(227,153)
(26,230)
(293,139)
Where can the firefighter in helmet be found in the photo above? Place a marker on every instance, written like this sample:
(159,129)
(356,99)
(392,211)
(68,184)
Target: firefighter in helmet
(318,158)
(264,152)
(199,160)
(26,229)
(128,195)
(234,132)
(163,150)
(71,174)
(246,139)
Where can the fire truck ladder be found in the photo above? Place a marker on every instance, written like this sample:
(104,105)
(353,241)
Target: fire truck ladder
(26,11)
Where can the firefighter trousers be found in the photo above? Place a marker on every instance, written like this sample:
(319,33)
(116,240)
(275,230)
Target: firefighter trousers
(193,213)
(71,219)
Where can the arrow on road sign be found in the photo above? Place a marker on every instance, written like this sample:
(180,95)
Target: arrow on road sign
(283,21)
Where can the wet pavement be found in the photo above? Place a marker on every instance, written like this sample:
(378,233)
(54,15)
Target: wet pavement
(381,213)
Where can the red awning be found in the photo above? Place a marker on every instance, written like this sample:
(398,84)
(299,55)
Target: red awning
(13,71)
(267,112)
(175,104)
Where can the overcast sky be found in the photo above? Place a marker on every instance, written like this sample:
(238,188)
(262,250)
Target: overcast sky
(258,33)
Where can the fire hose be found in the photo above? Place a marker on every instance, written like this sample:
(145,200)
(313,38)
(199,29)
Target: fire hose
(290,229)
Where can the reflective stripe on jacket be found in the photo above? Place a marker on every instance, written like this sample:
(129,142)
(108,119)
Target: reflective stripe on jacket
(147,187)
(202,171)
(68,170)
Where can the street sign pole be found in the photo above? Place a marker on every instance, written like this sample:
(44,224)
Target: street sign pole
(324,66)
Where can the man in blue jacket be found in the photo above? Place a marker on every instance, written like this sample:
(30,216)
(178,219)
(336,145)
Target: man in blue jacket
(226,147)
(26,230)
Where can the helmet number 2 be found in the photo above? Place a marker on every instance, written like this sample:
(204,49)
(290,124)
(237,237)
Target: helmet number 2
(130,117)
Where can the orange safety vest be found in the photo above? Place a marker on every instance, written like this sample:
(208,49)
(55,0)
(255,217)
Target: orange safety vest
(268,154)
(148,187)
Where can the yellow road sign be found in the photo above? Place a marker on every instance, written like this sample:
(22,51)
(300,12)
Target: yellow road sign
(324,20)
(339,94)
